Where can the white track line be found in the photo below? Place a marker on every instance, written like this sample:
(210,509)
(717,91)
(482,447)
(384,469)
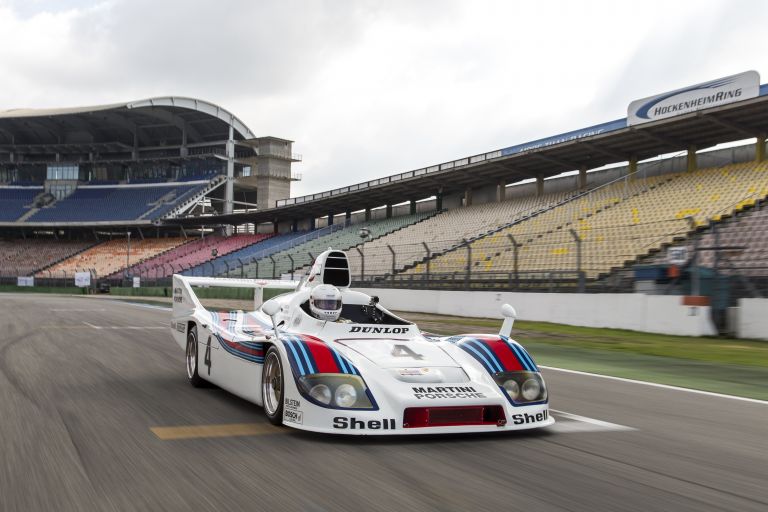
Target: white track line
(592,421)
(78,310)
(148,306)
(122,327)
(656,385)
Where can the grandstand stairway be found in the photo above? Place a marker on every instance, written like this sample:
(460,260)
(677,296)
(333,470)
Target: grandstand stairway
(167,198)
(174,210)
(28,214)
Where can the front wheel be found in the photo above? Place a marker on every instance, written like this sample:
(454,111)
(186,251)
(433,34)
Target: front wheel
(191,357)
(272,386)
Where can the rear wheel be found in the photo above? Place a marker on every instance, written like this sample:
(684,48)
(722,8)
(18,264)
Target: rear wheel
(191,358)
(272,386)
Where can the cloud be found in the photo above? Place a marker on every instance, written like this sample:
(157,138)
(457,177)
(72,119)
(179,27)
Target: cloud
(369,88)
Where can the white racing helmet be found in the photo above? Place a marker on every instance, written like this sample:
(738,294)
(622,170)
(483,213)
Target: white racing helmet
(325,302)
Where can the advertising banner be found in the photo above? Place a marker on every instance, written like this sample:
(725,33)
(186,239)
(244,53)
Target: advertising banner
(137,282)
(677,255)
(696,97)
(25,281)
(565,137)
(82,279)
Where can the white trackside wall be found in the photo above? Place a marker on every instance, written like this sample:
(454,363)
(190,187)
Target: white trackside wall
(752,321)
(662,314)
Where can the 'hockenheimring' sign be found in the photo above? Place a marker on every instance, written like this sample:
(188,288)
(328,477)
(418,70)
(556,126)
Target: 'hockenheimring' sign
(696,97)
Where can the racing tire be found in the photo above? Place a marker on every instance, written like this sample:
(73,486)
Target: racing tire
(191,359)
(273,386)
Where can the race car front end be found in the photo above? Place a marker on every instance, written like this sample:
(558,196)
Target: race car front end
(335,389)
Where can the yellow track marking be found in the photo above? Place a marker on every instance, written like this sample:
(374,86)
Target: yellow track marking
(227,430)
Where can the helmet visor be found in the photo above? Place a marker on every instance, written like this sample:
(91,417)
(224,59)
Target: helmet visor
(327,304)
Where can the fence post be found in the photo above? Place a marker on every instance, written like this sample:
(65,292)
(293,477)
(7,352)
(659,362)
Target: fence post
(515,248)
(290,257)
(393,261)
(429,257)
(242,268)
(227,265)
(469,261)
(274,266)
(362,263)
(577,239)
(696,284)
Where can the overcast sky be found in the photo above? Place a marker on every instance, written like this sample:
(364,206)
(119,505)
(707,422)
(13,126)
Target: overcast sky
(371,88)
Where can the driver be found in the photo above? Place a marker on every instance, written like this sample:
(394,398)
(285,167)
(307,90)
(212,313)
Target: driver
(325,302)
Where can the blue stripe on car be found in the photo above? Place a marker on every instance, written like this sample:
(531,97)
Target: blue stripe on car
(520,356)
(491,356)
(307,356)
(296,358)
(480,357)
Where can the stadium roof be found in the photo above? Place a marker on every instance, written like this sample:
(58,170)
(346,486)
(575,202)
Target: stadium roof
(589,148)
(154,121)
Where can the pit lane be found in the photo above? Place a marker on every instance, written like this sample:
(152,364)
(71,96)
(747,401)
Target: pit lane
(83,383)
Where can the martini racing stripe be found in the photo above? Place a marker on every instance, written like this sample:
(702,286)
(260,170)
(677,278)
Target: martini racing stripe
(224,332)
(477,354)
(495,354)
(524,355)
(309,355)
(253,352)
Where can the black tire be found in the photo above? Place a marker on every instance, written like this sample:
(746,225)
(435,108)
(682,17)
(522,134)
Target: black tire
(191,357)
(273,386)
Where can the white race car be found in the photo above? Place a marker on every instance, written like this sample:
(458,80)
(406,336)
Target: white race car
(329,359)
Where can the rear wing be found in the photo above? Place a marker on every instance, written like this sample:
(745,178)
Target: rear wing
(185,299)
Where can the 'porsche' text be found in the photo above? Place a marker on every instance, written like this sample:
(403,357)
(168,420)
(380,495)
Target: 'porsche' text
(446,392)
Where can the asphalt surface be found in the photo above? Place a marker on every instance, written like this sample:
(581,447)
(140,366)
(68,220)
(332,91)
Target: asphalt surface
(83,382)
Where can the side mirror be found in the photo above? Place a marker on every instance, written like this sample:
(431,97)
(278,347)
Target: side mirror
(509,314)
(271,307)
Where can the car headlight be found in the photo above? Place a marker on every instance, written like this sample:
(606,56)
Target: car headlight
(512,388)
(336,391)
(531,389)
(345,395)
(522,387)
(321,393)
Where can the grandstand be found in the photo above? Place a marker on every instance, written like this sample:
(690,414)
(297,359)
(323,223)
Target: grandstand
(25,257)
(100,203)
(190,255)
(616,224)
(298,256)
(111,256)
(16,201)
(233,263)
(134,164)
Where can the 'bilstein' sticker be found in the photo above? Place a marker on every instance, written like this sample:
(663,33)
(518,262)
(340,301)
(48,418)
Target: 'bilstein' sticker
(291,412)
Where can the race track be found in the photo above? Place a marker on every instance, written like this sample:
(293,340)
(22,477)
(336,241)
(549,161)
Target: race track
(84,381)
